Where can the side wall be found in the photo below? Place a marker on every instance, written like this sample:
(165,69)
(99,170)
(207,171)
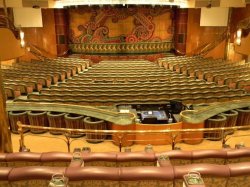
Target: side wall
(43,37)
(197,35)
(243,50)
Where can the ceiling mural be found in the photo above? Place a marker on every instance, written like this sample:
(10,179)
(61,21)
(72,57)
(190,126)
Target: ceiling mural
(120,24)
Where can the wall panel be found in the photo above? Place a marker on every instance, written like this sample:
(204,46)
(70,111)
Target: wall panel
(44,37)
(197,35)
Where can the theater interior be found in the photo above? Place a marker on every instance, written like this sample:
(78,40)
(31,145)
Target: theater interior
(125,93)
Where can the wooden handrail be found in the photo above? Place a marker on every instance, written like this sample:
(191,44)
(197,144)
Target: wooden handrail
(6,22)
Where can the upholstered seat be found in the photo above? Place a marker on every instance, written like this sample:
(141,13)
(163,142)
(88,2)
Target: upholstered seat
(95,124)
(232,116)
(56,119)
(177,157)
(243,116)
(100,159)
(238,155)
(239,174)
(56,159)
(146,176)
(38,118)
(4,176)
(74,121)
(15,116)
(3,159)
(128,159)
(33,175)
(93,176)
(213,122)
(23,159)
(211,156)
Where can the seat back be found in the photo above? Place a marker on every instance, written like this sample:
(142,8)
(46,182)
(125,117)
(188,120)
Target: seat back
(209,156)
(93,176)
(177,157)
(146,176)
(31,176)
(238,155)
(20,159)
(4,176)
(128,159)
(239,174)
(61,159)
(3,162)
(99,159)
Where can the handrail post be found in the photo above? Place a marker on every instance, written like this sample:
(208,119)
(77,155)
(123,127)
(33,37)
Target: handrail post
(67,135)
(224,140)
(173,137)
(120,137)
(22,147)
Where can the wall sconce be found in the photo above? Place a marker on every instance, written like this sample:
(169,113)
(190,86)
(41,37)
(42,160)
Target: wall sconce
(239,33)
(21,35)
(238,37)
(22,43)
(22,38)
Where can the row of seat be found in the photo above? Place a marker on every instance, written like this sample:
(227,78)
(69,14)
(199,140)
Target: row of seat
(148,82)
(221,72)
(111,102)
(236,175)
(136,94)
(97,58)
(126,159)
(23,77)
(59,120)
(107,90)
(138,83)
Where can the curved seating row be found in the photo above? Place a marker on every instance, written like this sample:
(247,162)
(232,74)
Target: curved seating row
(221,72)
(154,84)
(168,176)
(143,86)
(127,159)
(110,102)
(195,98)
(168,90)
(59,120)
(23,77)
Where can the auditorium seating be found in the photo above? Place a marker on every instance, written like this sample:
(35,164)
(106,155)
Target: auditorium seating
(96,124)
(56,119)
(212,175)
(232,74)
(11,93)
(123,81)
(38,118)
(26,77)
(14,117)
(127,159)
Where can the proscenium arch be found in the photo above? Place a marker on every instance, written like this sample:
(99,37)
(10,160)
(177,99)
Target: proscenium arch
(107,115)
(199,116)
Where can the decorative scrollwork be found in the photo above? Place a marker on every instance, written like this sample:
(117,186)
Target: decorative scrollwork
(96,30)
